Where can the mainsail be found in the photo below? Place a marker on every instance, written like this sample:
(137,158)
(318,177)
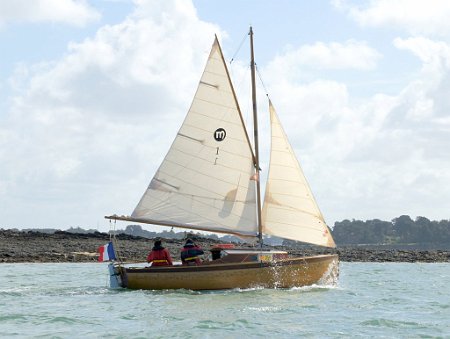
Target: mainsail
(205,181)
(290,210)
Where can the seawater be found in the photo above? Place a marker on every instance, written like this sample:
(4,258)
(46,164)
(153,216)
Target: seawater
(390,300)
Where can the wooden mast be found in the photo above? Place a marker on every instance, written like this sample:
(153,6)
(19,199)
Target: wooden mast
(255,133)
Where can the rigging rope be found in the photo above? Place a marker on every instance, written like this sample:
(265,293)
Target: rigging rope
(262,82)
(112,237)
(239,48)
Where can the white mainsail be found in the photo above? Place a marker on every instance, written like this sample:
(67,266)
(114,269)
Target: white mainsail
(290,210)
(205,181)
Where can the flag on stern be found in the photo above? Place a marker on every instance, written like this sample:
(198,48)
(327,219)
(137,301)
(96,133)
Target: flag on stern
(106,252)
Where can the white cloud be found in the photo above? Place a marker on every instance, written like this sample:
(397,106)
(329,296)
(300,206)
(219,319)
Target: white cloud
(86,132)
(349,55)
(326,56)
(73,12)
(414,16)
(435,54)
(377,157)
(429,93)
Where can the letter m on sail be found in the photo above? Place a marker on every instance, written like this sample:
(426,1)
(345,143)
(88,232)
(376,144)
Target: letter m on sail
(220,134)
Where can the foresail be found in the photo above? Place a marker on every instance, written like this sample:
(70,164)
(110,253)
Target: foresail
(205,181)
(290,210)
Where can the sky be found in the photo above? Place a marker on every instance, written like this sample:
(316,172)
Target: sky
(92,94)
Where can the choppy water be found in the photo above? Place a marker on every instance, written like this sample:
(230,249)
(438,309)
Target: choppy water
(371,300)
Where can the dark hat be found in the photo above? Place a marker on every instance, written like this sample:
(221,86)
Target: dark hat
(157,242)
(189,242)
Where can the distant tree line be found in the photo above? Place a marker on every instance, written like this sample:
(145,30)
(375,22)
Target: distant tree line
(401,230)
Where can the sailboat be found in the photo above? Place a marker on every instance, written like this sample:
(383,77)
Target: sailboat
(210,181)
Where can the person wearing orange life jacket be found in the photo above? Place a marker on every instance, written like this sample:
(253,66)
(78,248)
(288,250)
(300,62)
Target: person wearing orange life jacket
(159,256)
(190,253)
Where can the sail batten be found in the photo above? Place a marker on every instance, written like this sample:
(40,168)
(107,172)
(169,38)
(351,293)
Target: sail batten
(212,195)
(290,210)
(166,217)
(309,228)
(208,160)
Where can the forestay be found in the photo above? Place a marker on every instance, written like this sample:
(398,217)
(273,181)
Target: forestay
(290,210)
(205,181)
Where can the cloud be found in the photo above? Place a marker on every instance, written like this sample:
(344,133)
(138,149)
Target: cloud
(414,16)
(72,12)
(435,54)
(349,55)
(356,55)
(85,133)
(375,157)
(429,92)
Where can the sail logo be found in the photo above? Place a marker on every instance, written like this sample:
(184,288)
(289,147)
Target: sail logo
(220,134)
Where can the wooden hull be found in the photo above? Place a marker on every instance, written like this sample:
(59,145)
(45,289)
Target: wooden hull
(287,273)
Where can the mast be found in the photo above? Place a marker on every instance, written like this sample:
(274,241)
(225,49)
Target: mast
(255,133)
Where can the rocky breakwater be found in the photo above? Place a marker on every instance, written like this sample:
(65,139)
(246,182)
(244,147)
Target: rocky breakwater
(371,254)
(63,246)
(16,246)
(358,254)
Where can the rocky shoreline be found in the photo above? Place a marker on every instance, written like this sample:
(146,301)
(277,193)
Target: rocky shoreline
(22,247)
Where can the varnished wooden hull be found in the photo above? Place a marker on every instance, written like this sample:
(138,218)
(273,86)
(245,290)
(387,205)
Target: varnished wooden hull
(292,272)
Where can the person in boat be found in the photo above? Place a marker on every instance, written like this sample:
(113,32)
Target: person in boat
(159,256)
(190,254)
